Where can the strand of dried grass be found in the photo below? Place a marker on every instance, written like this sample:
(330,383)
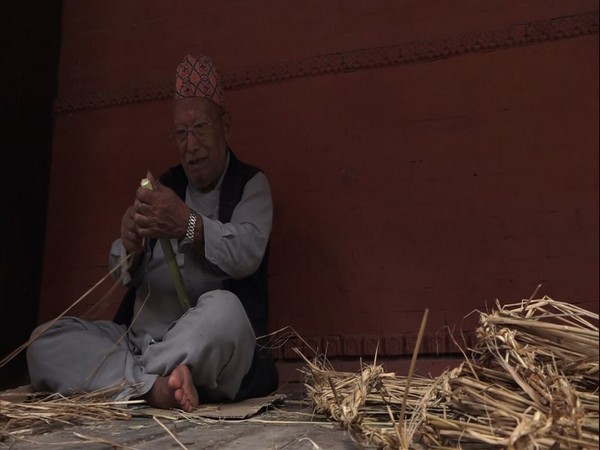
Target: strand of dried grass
(531,381)
(26,442)
(100,440)
(169,432)
(403,436)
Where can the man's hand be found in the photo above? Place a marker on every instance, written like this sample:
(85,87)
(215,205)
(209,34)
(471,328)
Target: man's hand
(159,213)
(130,238)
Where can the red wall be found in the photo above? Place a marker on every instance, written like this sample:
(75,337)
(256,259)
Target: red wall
(421,154)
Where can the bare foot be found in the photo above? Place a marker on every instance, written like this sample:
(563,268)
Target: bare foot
(174,391)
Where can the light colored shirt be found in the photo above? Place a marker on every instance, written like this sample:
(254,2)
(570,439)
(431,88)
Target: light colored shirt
(231,250)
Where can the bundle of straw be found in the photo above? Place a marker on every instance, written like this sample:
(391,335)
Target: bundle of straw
(531,382)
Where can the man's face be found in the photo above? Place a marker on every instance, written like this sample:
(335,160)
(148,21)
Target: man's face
(202,130)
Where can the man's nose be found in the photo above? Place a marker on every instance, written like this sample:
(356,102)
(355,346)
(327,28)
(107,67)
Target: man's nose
(191,142)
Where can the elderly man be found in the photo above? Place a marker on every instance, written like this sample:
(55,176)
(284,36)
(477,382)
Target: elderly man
(217,213)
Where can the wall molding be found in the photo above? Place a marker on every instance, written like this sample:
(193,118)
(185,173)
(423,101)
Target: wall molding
(406,53)
(400,345)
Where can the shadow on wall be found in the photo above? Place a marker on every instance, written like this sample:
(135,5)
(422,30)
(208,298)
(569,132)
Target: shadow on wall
(28,88)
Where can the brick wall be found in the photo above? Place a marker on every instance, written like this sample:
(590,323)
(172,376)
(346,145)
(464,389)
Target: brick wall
(421,155)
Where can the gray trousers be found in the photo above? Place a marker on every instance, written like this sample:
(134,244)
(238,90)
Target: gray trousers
(214,339)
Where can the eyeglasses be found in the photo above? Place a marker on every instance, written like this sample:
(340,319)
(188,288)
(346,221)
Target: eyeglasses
(200,130)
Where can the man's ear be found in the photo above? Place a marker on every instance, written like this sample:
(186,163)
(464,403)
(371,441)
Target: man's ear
(227,125)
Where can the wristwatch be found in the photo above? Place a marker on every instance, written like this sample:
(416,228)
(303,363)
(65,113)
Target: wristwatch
(188,240)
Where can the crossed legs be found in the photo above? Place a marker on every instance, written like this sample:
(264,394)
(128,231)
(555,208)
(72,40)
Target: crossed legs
(205,354)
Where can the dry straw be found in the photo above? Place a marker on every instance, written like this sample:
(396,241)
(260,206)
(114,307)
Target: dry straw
(23,414)
(530,382)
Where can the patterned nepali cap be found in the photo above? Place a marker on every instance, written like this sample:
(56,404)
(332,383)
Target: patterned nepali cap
(197,76)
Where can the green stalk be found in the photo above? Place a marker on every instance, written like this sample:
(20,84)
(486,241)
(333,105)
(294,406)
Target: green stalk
(171,262)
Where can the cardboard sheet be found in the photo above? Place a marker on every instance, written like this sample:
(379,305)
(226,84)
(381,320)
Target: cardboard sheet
(223,411)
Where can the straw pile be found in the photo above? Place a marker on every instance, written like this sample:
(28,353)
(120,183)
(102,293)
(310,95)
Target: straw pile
(530,382)
(33,413)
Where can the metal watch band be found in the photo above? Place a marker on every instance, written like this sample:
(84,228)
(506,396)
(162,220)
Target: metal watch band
(189,234)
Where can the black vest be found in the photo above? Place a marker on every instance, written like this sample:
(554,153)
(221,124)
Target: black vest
(262,379)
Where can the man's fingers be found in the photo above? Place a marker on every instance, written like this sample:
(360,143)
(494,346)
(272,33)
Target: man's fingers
(155,183)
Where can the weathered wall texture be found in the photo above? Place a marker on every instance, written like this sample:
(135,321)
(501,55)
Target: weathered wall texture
(421,154)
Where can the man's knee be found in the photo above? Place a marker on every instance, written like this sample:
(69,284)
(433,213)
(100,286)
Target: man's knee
(45,332)
(43,342)
(63,324)
(225,312)
(214,334)
(223,306)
